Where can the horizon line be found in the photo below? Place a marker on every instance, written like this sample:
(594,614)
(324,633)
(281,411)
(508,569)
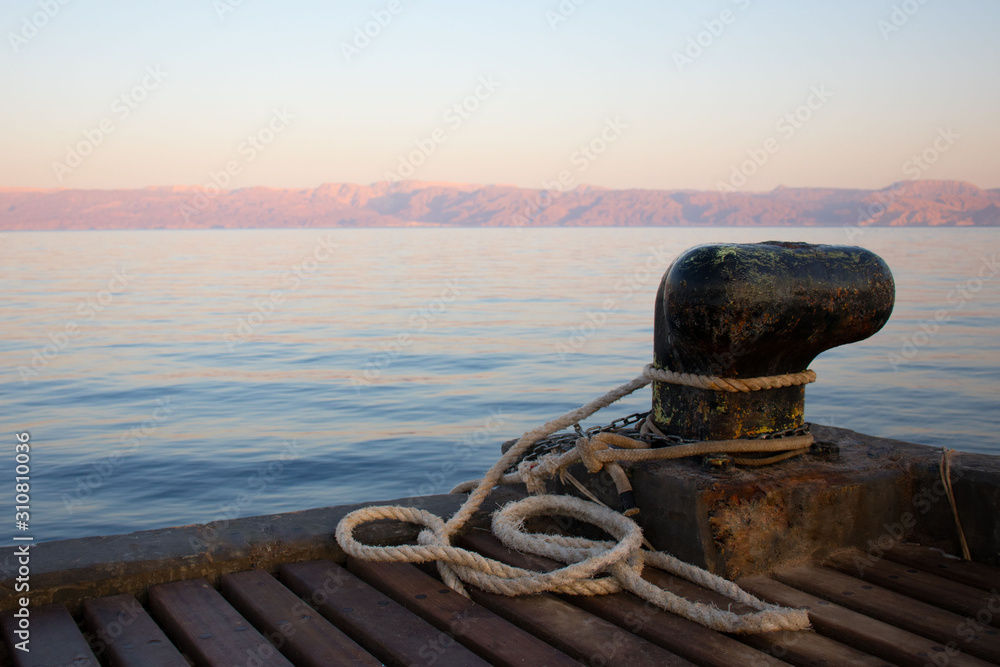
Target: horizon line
(456,184)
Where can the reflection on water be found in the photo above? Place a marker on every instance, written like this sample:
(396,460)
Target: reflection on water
(178,377)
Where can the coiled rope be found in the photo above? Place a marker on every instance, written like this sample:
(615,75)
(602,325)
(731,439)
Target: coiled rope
(623,560)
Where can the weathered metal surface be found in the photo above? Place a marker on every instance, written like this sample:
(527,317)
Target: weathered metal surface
(744,521)
(750,310)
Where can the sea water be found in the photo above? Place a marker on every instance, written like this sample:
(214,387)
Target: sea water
(177,377)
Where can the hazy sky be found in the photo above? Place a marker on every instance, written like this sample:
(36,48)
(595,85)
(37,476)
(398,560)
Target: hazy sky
(749,93)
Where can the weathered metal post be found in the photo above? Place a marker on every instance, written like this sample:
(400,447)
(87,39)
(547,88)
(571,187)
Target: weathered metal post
(752,310)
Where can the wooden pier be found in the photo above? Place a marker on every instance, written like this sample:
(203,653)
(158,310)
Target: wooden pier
(914,606)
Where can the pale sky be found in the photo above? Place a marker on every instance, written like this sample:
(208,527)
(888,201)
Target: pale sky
(778,92)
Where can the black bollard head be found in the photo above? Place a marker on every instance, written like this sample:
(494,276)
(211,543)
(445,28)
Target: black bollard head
(751,310)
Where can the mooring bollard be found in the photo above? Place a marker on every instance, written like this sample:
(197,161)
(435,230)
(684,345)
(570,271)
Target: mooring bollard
(753,310)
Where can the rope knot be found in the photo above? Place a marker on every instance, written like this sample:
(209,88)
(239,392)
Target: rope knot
(587,448)
(534,473)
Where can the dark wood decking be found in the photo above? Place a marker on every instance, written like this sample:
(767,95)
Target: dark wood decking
(914,607)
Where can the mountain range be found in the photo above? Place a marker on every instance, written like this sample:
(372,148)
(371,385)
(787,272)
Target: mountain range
(416,203)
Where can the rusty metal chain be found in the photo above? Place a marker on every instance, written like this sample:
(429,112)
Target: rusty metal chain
(797,430)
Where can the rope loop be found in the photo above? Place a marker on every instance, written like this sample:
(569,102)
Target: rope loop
(732,385)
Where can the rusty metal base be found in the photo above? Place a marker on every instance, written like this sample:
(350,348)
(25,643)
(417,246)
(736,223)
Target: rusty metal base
(854,490)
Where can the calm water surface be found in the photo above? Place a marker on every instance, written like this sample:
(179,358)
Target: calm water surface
(181,377)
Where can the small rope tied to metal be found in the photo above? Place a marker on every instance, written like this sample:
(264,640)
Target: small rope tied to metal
(945,470)
(622,560)
(729,384)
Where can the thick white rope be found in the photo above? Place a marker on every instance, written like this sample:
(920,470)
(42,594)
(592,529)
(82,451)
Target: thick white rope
(623,560)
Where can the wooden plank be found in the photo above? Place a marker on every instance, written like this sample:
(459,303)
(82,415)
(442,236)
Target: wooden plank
(809,649)
(965,572)
(975,603)
(54,640)
(857,630)
(694,641)
(491,637)
(798,648)
(200,621)
(381,626)
(583,635)
(128,635)
(919,617)
(296,629)
(674,633)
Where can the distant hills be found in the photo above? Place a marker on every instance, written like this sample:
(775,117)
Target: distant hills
(415,204)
